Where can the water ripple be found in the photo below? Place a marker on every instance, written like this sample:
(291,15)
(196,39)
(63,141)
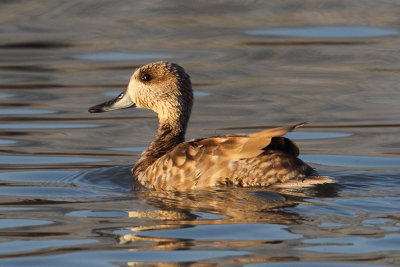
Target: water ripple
(7,142)
(11,223)
(36,245)
(32,160)
(120,257)
(224,232)
(121,56)
(49,126)
(353,161)
(352,245)
(326,32)
(5,95)
(10,111)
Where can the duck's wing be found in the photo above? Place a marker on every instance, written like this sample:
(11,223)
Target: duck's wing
(234,146)
(237,146)
(258,142)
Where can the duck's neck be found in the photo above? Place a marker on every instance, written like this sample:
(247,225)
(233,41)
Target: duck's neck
(169,135)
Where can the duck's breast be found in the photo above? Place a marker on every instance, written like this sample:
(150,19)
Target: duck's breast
(190,165)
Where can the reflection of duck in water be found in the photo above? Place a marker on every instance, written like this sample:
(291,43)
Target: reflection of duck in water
(259,159)
(215,206)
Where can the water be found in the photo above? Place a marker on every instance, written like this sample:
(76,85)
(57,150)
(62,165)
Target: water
(65,197)
(327,32)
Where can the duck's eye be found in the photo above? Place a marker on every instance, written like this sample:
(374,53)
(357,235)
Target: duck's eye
(146,77)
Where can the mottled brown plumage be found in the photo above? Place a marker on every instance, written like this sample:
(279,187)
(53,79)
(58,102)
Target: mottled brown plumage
(259,159)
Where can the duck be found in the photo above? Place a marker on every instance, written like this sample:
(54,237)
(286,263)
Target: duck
(261,159)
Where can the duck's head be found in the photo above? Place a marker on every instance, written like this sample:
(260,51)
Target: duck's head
(161,86)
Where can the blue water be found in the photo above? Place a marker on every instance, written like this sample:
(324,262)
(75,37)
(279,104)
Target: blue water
(327,32)
(65,174)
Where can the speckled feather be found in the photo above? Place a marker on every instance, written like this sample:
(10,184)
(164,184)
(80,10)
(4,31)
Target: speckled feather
(242,160)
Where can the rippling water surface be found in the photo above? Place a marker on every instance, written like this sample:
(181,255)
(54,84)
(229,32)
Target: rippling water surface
(65,197)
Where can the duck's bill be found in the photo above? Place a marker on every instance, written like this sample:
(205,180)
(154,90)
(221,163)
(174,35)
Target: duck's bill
(120,102)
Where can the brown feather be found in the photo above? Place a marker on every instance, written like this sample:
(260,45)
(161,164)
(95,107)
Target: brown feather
(213,161)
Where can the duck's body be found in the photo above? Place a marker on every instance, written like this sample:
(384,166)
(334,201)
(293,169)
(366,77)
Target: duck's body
(243,160)
(260,159)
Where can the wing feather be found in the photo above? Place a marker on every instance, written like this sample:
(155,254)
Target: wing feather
(258,141)
(229,146)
